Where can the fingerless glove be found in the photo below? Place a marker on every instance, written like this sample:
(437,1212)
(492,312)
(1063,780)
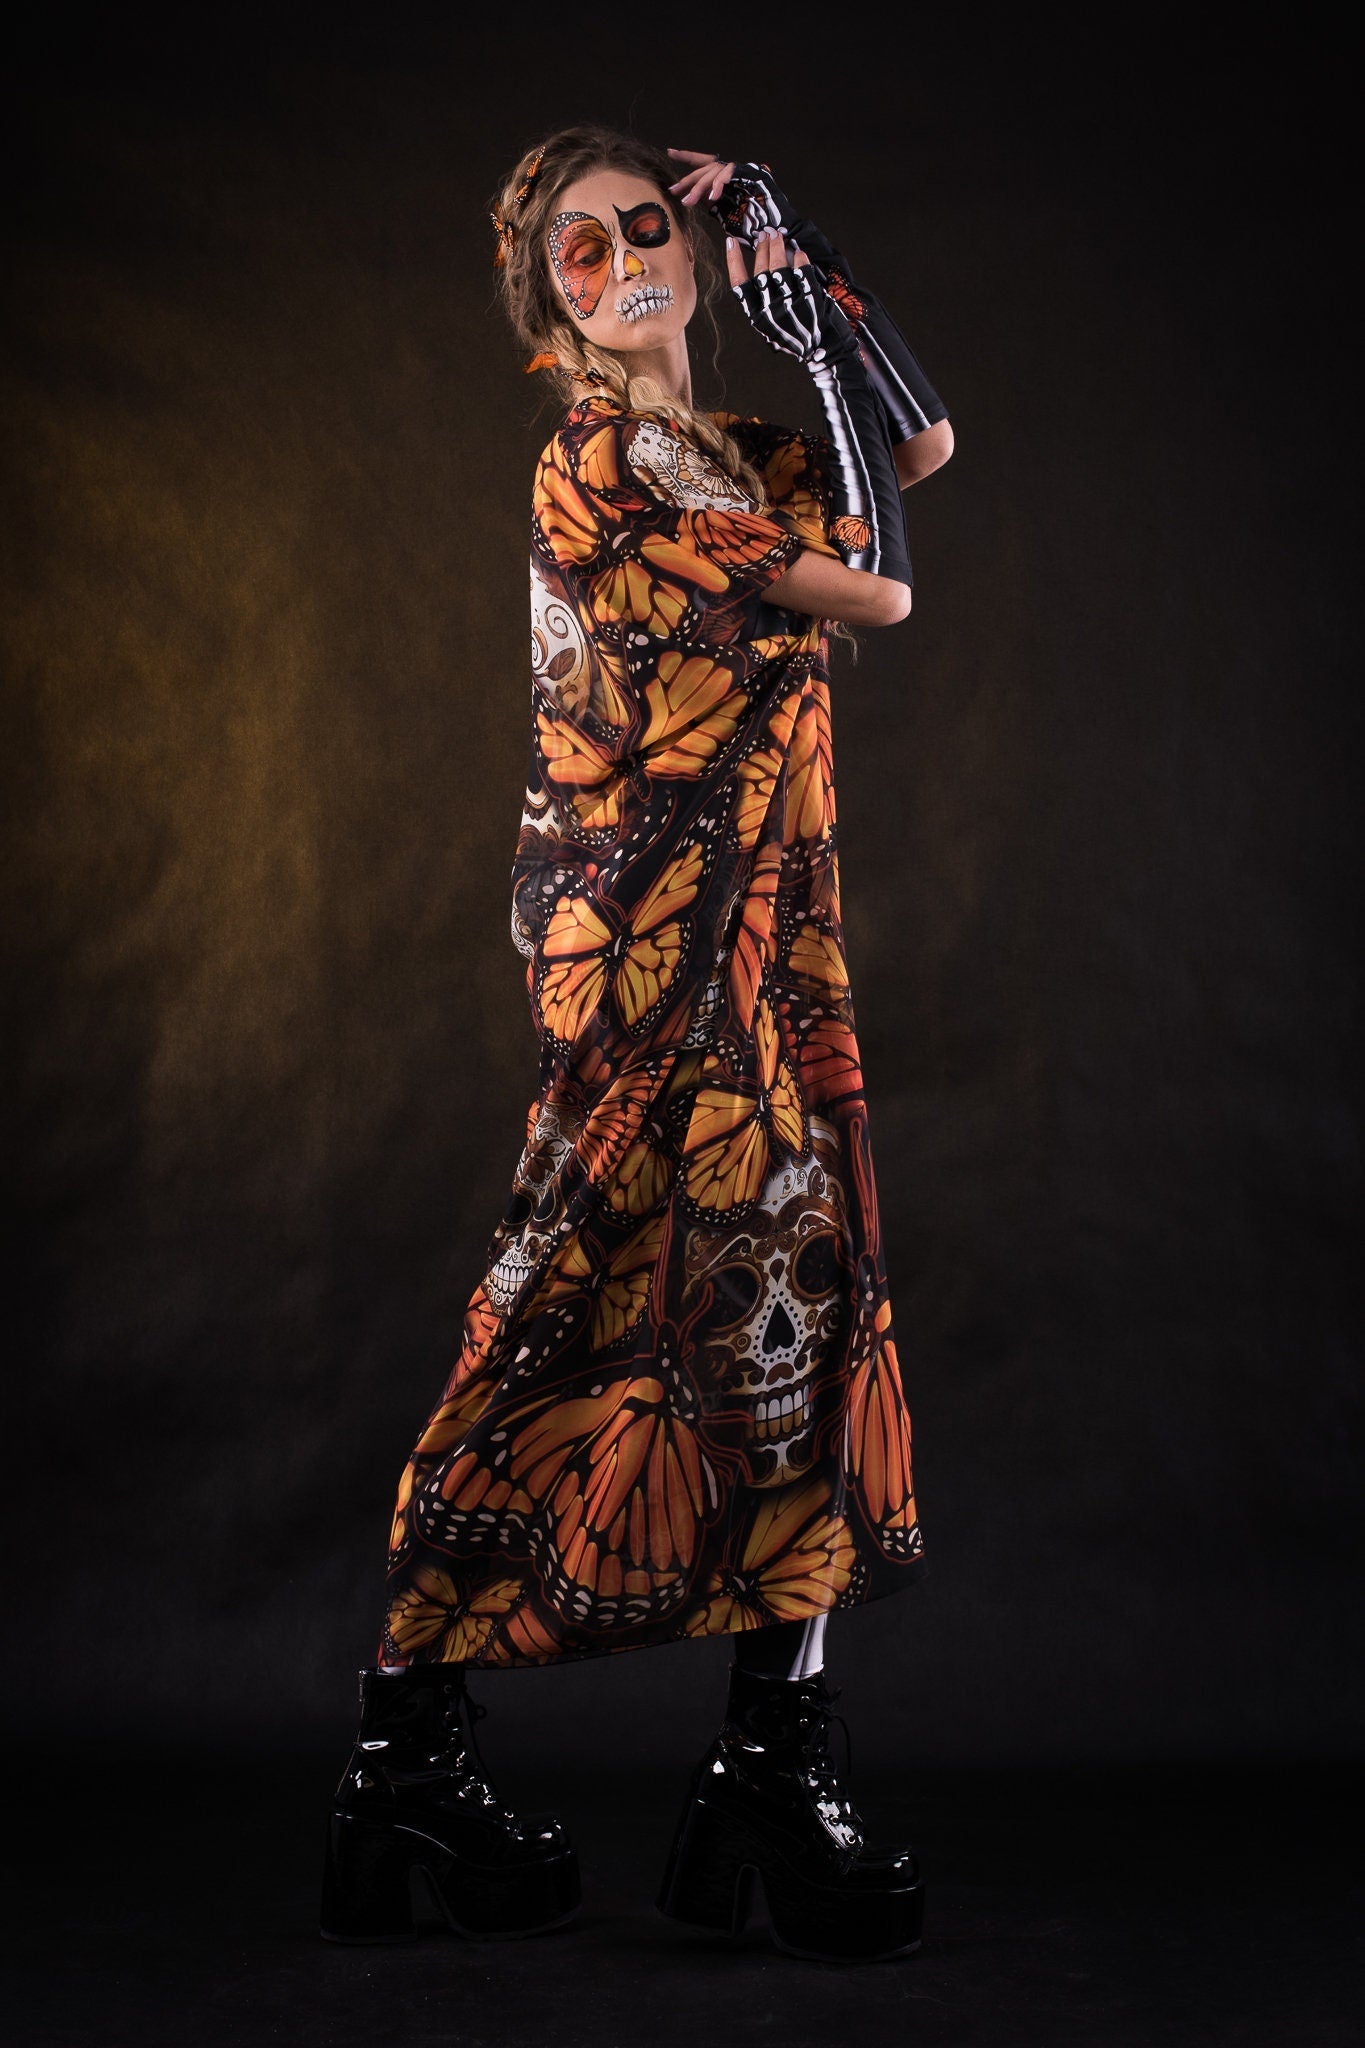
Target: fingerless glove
(753,200)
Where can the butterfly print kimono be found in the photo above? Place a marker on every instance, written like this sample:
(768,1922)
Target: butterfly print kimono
(677,1408)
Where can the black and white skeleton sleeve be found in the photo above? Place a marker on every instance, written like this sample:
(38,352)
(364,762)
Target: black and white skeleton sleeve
(751,201)
(794,314)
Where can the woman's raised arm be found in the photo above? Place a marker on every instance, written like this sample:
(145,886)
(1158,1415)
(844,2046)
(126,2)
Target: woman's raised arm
(792,312)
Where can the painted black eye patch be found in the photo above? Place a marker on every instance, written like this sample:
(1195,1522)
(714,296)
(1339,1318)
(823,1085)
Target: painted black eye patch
(646,225)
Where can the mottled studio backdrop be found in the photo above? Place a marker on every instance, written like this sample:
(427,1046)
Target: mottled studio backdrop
(269,456)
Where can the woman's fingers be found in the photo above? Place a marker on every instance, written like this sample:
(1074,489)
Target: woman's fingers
(696,186)
(800,258)
(690,184)
(689,188)
(734,260)
(707,180)
(770,251)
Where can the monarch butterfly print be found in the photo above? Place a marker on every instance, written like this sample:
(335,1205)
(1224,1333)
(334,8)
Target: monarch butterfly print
(852,530)
(824,1050)
(844,296)
(877,1453)
(677,1408)
(795,1560)
(622,1487)
(591,953)
(736,1123)
(620,1283)
(435,1612)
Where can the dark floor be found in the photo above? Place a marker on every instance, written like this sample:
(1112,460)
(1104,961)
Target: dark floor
(1109,1909)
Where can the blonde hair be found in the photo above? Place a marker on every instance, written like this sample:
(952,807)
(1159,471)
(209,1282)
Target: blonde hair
(535,306)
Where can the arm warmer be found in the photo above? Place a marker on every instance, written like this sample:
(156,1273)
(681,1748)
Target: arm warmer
(795,315)
(751,201)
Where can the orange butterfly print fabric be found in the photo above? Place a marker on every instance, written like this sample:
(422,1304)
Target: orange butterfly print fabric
(677,1407)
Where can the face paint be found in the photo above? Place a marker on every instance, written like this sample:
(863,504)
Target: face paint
(647,226)
(581,249)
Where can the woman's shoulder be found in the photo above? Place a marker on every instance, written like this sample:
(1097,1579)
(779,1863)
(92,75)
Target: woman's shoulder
(609,447)
(586,446)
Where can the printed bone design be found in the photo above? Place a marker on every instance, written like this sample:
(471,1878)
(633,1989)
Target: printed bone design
(787,1279)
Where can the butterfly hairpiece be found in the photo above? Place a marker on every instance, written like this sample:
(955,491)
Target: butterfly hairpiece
(505,226)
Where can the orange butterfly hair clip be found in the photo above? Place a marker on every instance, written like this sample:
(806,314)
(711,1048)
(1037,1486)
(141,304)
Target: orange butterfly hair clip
(505,227)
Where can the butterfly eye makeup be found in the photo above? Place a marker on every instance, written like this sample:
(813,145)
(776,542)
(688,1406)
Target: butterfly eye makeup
(581,251)
(582,248)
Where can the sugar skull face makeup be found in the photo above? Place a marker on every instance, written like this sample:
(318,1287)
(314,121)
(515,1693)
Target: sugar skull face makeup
(581,249)
(623,266)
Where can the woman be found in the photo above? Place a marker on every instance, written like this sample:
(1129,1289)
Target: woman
(677,1410)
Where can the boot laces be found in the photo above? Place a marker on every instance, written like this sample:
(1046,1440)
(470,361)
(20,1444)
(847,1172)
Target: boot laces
(814,1717)
(457,1699)
(460,1718)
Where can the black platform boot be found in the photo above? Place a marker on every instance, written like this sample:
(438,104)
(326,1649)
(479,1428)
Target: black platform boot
(766,1800)
(415,1803)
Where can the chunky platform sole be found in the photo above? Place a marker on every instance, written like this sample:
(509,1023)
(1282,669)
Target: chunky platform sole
(709,1882)
(371,1868)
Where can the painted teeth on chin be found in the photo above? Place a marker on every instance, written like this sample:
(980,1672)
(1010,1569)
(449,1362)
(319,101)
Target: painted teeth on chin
(771,1419)
(643,302)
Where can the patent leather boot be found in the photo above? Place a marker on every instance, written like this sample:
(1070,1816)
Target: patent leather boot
(766,1804)
(415,1812)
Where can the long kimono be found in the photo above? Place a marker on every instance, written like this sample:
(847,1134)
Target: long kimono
(677,1408)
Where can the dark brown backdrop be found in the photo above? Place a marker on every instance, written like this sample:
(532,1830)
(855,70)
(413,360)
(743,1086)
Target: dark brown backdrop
(266,730)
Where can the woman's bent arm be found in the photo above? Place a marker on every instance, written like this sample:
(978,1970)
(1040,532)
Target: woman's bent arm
(923,453)
(830,590)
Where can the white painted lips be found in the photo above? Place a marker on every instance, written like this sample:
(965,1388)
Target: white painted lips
(643,301)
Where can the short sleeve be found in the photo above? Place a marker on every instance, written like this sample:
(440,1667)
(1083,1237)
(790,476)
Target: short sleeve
(651,533)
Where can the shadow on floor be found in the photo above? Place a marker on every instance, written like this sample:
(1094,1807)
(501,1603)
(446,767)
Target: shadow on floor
(175,1901)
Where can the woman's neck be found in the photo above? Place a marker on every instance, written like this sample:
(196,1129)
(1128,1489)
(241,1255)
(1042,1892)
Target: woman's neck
(669,365)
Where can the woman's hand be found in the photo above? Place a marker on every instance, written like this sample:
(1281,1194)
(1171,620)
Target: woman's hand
(744,197)
(706,180)
(787,306)
(770,253)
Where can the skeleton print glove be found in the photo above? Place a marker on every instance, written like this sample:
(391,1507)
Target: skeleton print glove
(794,313)
(751,201)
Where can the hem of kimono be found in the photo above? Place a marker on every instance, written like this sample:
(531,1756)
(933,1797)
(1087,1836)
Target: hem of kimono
(912,1573)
